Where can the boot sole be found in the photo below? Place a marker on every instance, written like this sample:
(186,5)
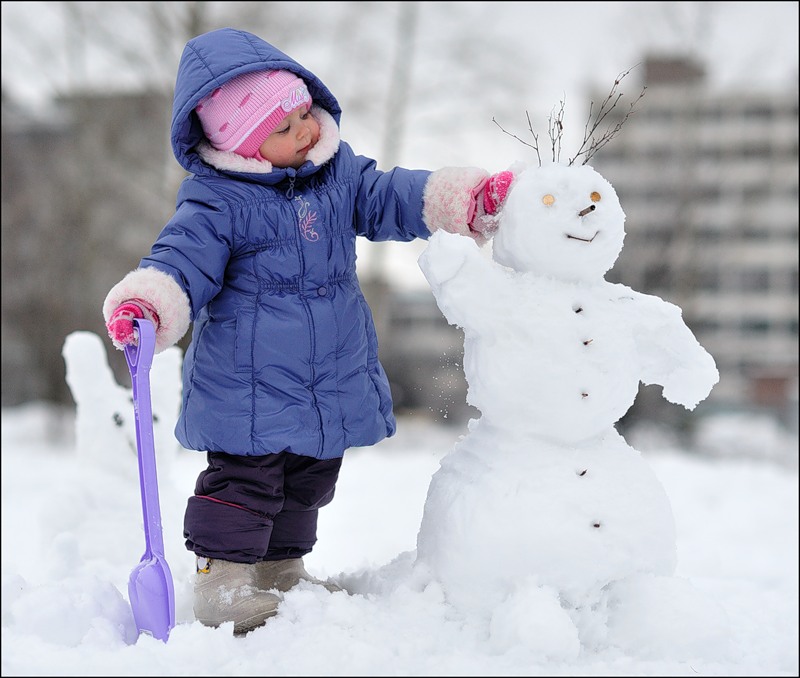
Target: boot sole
(244,627)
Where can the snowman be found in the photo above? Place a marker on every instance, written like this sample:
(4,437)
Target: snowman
(543,505)
(104,409)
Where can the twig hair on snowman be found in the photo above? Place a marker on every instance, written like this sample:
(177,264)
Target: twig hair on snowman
(601,126)
(574,206)
(593,141)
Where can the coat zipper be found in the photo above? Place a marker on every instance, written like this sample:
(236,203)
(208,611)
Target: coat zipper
(290,190)
(289,196)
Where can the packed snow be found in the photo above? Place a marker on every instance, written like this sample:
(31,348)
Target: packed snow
(535,541)
(72,533)
(543,493)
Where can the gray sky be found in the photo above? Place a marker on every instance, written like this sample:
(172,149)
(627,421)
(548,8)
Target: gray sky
(566,43)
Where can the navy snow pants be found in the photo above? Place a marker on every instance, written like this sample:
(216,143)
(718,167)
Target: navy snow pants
(248,509)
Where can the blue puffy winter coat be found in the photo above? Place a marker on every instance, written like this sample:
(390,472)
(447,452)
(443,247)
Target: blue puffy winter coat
(284,354)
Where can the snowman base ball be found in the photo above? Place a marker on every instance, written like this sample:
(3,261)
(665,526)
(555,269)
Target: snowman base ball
(503,509)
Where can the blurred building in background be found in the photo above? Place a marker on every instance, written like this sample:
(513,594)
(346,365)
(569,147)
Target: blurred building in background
(86,187)
(709,184)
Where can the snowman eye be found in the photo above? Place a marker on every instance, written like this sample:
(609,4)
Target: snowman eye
(595,196)
(548,199)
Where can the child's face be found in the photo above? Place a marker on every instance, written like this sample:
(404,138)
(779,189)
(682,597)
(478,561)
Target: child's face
(291,141)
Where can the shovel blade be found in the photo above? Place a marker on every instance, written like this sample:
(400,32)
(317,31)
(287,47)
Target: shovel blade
(152,597)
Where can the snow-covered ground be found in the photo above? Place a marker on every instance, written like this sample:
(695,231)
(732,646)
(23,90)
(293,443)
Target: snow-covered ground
(72,532)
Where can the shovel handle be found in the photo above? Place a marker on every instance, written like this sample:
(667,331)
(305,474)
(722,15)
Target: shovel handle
(140,358)
(140,355)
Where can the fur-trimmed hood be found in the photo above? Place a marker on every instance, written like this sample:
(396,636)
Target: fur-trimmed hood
(213,58)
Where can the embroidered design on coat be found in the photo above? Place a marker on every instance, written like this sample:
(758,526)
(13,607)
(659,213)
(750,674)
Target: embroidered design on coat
(306,219)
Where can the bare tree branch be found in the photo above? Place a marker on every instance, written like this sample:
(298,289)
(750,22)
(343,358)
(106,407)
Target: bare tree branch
(534,145)
(555,130)
(591,144)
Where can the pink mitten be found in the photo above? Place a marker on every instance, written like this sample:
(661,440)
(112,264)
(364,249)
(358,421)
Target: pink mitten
(448,200)
(489,198)
(495,191)
(120,324)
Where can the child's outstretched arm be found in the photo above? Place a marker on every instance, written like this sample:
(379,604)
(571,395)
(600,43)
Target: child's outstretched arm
(465,200)
(403,204)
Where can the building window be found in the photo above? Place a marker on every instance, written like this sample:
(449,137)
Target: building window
(754,280)
(755,112)
(755,326)
(707,279)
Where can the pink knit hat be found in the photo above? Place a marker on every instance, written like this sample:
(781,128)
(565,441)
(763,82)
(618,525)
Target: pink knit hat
(242,113)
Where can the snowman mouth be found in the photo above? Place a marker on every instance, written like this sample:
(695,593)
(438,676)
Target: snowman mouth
(575,237)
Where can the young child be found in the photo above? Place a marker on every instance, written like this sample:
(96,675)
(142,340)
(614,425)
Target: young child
(282,373)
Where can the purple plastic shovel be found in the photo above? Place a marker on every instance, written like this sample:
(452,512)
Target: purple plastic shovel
(150,587)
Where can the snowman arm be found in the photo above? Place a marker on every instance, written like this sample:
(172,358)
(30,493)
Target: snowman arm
(463,280)
(672,356)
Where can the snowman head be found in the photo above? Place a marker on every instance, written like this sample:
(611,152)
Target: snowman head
(561,221)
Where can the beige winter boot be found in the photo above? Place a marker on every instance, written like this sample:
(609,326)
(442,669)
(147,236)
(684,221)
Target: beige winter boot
(285,574)
(225,591)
